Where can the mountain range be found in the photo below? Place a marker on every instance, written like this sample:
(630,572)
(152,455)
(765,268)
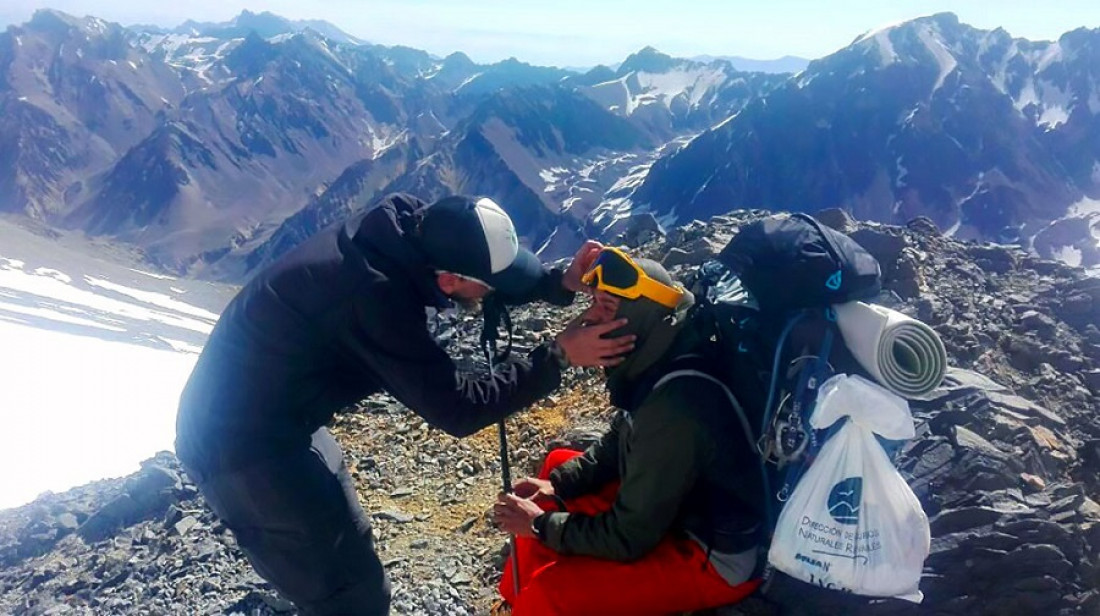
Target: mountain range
(215,147)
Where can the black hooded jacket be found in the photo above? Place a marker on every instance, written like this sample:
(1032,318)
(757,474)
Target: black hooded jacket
(341,317)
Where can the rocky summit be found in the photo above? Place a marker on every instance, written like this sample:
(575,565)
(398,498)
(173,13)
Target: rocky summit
(1006,462)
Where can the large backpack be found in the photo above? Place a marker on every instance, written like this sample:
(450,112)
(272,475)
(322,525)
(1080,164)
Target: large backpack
(764,308)
(793,262)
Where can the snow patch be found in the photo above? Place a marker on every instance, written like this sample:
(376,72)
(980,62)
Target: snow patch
(912,114)
(954,228)
(126,409)
(156,299)
(52,273)
(551,177)
(181,346)
(885,47)
(548,241)
(1052,54)
(1027,96)
(902,172)
(1070,255)
(1052,116)
(879,38)
(943,57)
(323,44)
(618,203)
(958,206)
(50,287)
(638,89)
(91,374)
(665,87)
(1087,207)
(468,81)
(56,315)
(724,122)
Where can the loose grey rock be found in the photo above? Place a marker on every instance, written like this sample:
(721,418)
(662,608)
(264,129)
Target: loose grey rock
(185,525)
(394,516)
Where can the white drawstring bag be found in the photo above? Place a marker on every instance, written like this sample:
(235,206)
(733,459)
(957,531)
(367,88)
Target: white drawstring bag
(852,524)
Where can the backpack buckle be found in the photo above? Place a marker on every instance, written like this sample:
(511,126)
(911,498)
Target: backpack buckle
(790,441)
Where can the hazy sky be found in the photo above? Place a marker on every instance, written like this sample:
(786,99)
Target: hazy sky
(588,32)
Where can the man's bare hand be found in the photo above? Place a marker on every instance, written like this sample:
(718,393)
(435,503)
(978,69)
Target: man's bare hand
(514,515)
(584,345)
(533,488)
(583,260)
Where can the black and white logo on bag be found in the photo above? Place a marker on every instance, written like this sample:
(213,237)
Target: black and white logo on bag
(845,499)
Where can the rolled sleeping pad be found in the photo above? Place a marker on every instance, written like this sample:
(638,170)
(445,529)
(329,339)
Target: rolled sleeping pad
(903,354)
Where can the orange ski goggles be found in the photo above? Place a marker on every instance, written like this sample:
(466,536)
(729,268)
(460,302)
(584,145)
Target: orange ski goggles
(619,275)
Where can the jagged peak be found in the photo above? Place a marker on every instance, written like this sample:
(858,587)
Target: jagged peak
(248,19)
(650,60)
(266,24)
(60,21)
(943,22)
(48,17)
(458,59)
(650,50)
(511,62)
(601,72)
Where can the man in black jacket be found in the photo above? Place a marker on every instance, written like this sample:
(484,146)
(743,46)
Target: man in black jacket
(339,318)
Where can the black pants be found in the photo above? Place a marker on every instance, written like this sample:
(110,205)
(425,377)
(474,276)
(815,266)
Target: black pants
(300,523)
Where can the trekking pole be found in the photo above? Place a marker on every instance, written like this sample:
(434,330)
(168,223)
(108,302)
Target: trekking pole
(506,479)
(505,470)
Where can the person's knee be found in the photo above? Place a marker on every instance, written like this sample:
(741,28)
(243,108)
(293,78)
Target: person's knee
(554,590)
(535,600)
(556,458)
(366,598)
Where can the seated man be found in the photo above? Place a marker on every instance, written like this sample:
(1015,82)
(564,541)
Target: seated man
(664,513)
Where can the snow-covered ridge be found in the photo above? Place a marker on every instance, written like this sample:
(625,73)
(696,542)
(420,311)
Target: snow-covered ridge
(1021,71)
(93,357)
(693,83)
(186,52)
(932,41)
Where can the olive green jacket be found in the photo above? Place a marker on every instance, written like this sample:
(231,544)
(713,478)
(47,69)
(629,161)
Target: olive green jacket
(684,466)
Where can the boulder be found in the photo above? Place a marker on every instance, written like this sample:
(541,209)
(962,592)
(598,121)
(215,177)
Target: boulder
(836,218)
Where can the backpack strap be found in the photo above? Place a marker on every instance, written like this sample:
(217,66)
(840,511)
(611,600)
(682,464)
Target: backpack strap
(773,388)
(746,426)
(794,440)
(810,378)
